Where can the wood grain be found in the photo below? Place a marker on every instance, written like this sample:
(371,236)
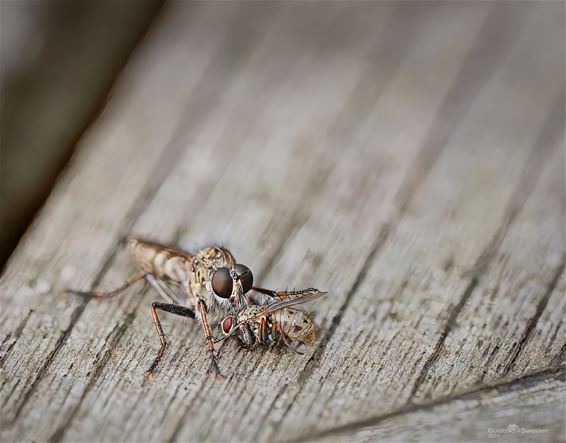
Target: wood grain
(489,413)
(406,157)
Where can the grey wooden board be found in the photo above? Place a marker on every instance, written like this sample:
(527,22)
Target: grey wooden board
(490,413)
(407,157)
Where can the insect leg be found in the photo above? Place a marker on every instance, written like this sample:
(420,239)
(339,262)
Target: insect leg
(173,309)
(109,294)
(290,345)
(263,330)
(209,339)
(282,294)
(269,292)
(162,288)
(247,338)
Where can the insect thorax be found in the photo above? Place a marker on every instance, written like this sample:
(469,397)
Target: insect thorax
(205,263)
(192,272)
(251,314)
(249,320)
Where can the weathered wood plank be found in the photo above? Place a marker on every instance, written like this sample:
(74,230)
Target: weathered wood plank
(412,301)
(86,206)
(407,172)
(105,337)
(239,216)
(534,404)
(513,289)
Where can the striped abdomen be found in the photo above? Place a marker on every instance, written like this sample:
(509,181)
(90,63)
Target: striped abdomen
(160,260)
(295,324)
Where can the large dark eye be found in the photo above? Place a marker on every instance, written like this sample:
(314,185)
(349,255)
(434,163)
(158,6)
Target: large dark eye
(222,283)
(246,276)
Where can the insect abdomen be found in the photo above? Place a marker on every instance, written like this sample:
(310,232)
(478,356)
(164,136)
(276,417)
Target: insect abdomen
(160,260)
(296,325)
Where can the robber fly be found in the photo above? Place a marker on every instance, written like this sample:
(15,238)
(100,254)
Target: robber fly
(274,322)
(216,286)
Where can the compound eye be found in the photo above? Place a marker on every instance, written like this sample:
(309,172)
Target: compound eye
(246,276)
(222,283)
(227,324)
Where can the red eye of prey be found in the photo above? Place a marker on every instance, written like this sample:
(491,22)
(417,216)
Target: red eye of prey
(227,324)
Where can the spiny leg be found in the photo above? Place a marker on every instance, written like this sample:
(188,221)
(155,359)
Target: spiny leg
(209,339)
(173,309)
(281,294)
(269,292)
(109,294)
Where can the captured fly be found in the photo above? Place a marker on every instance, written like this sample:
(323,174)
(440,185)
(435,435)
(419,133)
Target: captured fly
(274,322)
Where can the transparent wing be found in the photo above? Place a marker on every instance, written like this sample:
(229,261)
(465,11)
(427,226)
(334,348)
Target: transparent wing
(291,299)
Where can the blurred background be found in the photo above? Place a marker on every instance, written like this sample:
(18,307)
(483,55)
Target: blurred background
(58,61)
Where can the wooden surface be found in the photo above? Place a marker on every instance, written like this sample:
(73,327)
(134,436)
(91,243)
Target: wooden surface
(406,157)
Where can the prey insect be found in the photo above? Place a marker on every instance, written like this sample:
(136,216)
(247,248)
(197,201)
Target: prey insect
(215,286)
(274,322)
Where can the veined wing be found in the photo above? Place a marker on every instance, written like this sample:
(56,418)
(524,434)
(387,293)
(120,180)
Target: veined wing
(135,242)
(291,299)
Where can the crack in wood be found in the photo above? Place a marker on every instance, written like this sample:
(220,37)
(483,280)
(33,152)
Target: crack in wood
(75,316)
(409,186)
(541,306)
(476,71)
(434,356)
(314,361)
(50,357)
(547,140)
(15,335)
(556,331)
(179,426)
(559,358)
(14,387)
(100,360)
(492,355)
(268,410)
(524,381)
